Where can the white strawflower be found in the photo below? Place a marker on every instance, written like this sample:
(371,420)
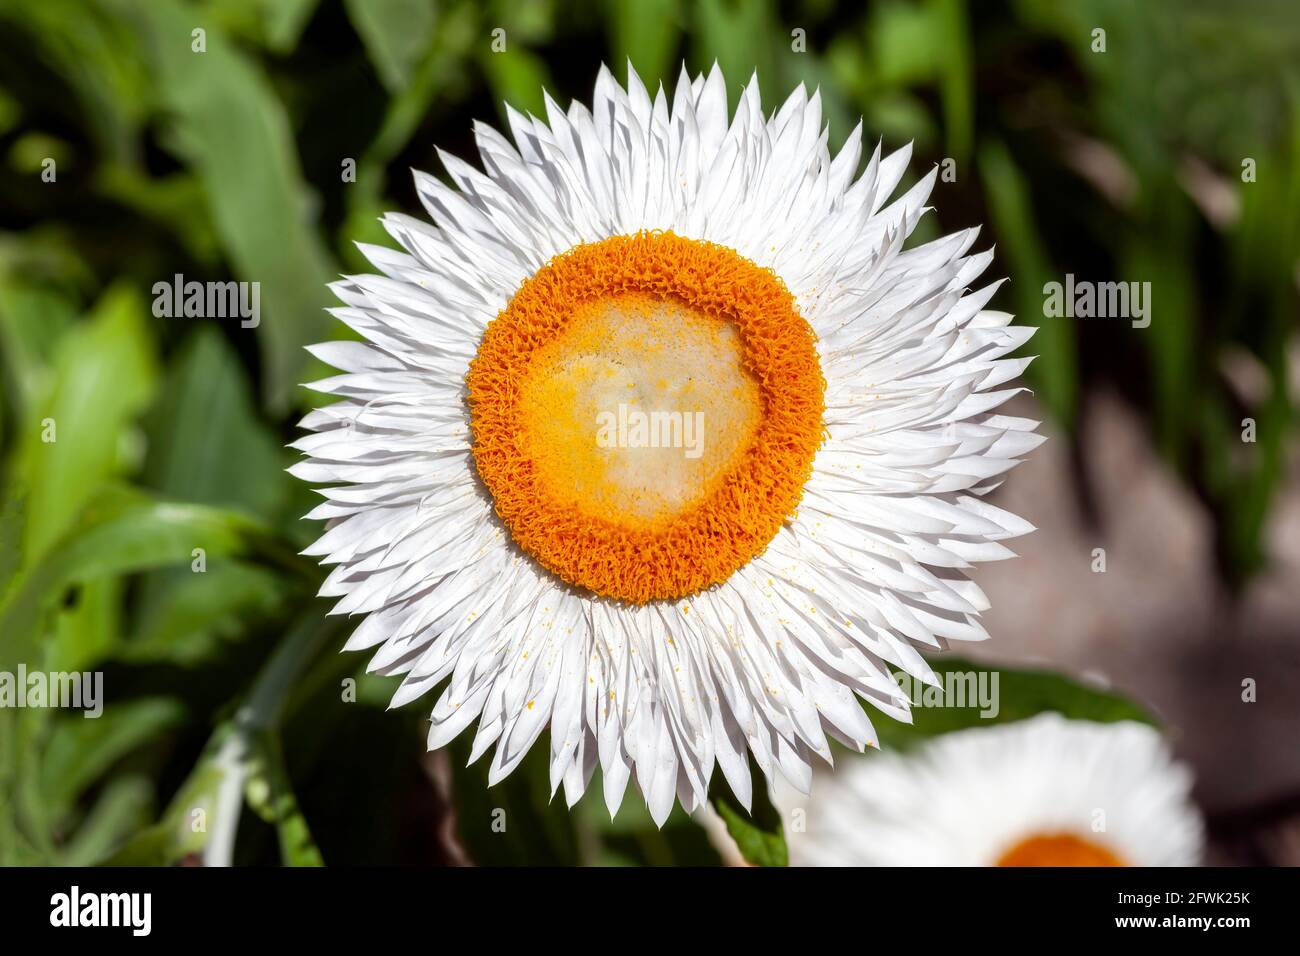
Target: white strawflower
(1040,792)
(661,438)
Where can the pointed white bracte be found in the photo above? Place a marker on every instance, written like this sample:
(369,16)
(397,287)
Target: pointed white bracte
(1042,791)
(870,568)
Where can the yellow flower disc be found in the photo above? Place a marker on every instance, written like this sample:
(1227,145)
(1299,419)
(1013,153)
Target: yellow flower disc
(645,414)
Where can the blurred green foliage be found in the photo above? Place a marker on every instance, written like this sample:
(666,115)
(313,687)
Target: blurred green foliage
(225,688)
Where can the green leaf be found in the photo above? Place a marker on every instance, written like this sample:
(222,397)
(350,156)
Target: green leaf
(10,111)
(179,833)
(906,43)
(188,618)
(1164,260)
(124,532)
(517,77)
(12,519)
(744,38)
(230,129)
(215,788)
(94,52)
(758,833)
(1055,372)
(647,33)
(32,321)
(80,750)
(124,805)
(156,845)
(270,794)
(103,376)
(438,81)
(396,34)
(1262,299)
(956,76)
(276,24)
(175,203)
(206,443)
(86,625)
(1010,694)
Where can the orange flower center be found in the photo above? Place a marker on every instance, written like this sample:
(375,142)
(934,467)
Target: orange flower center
(645,414)
(1058,849)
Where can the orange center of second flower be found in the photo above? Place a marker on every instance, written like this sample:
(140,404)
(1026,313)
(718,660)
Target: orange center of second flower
(1058,849)
(645,414)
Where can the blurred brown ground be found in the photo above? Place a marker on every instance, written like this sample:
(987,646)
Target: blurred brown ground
(1158,625)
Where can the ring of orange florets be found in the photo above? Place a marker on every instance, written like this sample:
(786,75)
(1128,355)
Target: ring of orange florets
(706,543)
